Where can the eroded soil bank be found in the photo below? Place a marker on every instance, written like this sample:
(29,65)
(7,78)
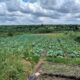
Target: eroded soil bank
(54,71)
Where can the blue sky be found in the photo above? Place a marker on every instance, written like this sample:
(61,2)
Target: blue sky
(39,12)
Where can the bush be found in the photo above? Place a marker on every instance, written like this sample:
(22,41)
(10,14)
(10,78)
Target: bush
(10,34)
(77,39)
(71,34)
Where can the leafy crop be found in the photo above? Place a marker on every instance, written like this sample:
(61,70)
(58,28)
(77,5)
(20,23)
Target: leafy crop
(16,51)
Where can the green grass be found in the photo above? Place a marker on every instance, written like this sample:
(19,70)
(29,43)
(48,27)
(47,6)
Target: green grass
(73,61)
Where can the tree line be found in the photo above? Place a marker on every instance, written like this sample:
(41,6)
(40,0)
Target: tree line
(38,28)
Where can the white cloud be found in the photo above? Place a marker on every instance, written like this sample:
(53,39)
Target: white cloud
(39,11)
(2,8)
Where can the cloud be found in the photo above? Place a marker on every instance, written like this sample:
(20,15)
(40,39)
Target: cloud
(39,11)
(2,8)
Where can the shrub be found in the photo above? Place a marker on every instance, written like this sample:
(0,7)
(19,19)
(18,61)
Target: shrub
(77,39)
(10,34)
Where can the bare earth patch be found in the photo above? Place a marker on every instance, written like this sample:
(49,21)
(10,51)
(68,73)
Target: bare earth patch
(54,71)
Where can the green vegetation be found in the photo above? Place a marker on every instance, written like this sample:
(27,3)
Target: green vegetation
(20,50)
(18,29)
(64,60)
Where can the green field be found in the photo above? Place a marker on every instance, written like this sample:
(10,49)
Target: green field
(19,53)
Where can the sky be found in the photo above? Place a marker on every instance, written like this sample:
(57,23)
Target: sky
(39,12)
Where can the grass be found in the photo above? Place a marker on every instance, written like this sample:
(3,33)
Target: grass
(74,61)
(14,67)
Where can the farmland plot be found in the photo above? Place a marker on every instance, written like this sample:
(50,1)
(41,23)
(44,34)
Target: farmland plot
(17,50)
